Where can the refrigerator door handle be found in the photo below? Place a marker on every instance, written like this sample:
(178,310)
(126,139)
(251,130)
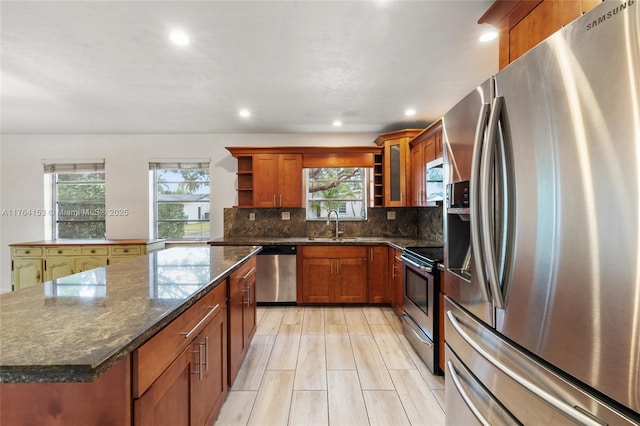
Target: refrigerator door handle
(555,402)
(474,198)
(453,374)
(486,206)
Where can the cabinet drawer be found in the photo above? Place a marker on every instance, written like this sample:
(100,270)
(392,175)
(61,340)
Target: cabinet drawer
(94,251)
(333,252)
(238,278)
(126,250)
(62,251)
(26,251)
(152,358)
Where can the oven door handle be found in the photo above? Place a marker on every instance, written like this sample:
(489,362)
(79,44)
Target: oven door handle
(422,268)
(413,330)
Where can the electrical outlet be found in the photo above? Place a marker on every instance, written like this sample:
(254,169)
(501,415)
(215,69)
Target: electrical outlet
(286,216)
(252,216)
(391,215)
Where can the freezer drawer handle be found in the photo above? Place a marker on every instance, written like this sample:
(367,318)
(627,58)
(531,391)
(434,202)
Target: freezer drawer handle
(413,330)
(541,393)
(456,381)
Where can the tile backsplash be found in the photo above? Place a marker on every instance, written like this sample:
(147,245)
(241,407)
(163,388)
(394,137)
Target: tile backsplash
(410,222)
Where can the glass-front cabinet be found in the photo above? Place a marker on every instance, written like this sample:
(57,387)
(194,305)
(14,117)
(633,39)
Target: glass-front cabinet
(397,166)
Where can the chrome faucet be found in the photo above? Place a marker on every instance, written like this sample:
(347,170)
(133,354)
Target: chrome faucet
(337,221)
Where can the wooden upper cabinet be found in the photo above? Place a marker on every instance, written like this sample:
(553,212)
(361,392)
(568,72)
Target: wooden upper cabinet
(277,180)
(272,176)
(425,147)
(397,166)
(290,180)
(525,23)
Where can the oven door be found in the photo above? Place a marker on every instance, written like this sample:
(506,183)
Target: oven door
(418,319)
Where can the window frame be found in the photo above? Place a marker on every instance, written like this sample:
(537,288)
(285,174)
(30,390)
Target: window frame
(52,170)
(154,168)
(342,202)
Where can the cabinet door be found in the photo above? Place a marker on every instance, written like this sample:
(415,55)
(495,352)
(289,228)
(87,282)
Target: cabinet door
(377,273)
(249,318)
(59,267)
(209,385)
(85,263)
(417,174)
(289,180)
(439,148)
(265,180)
(317,276)
(168,401)
(395,160)
(398,282)
(350,281)
(26,272)
(236,332)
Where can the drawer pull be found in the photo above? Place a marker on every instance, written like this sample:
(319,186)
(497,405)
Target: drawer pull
(93,251)
(59,251)
(27,251)
(201,322)
(126,250)
(248,274)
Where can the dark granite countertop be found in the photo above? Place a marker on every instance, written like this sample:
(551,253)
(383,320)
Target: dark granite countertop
(74,328)
(395,242)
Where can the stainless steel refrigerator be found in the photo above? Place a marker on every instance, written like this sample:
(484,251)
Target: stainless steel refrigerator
(542,232)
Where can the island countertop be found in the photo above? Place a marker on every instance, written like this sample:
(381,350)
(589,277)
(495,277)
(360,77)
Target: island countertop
(74,328)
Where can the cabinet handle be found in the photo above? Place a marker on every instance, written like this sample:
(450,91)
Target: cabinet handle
(331,266)
(27,251)
(201,322)
(337,267)
(126,250)
(371,254)
(38,276)
(274,200)
(248,274)
(206,353)
(199,363)
(93,251)
(250,295)
(245,300)
(59,251)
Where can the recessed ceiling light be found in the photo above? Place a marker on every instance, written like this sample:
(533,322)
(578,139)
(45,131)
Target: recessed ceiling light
(179,38)
(488,36)
(337,123)
(410,112)
(244,113)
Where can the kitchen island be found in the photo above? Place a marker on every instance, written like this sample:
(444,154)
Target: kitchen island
(70,346)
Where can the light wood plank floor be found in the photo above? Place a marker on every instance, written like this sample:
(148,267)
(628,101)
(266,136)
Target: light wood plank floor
(332,366)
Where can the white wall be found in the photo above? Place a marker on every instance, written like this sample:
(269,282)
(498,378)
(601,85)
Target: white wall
(126,165)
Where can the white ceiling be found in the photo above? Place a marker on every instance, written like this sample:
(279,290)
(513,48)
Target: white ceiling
(93,67)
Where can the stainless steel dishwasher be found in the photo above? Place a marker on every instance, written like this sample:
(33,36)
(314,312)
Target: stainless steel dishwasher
(276,275)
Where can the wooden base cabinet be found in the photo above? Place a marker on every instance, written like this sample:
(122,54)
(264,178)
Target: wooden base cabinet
(39,261)
(330,274)
(378,266)
(180,374)
(241,316)
(396,282)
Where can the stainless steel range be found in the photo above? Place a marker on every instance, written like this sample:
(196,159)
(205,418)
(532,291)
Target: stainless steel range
(421,288)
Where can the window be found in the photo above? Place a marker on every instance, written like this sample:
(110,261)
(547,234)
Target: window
(341,188)
(180,196)
(77,197)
